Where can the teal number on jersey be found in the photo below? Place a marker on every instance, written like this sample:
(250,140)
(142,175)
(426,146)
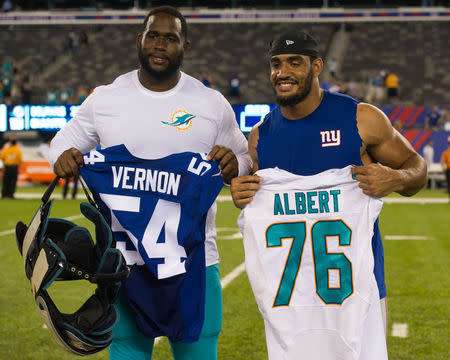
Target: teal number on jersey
(274,235)
(323,260)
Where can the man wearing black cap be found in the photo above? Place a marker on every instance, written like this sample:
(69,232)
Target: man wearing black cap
(313,130)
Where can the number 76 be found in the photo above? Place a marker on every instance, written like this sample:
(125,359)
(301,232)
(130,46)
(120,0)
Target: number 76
(323,260)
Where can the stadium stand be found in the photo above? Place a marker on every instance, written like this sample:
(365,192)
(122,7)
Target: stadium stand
(112,51)
(33,46)
(417,51)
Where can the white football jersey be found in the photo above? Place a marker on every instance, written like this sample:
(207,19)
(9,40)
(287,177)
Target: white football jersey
(309,261)
(152,125)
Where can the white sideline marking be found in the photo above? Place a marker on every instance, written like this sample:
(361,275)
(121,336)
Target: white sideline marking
(399,330)
(224,282)
(221,229)
(222,198)
(386,200)
(232,275)
(406,237)
(236,235)
(9,232)
(38,196)
(414,200)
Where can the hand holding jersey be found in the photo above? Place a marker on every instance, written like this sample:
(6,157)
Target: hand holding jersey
(70,160)
(158,111)
(308,258)
(68,163)
(228,163)
(244,188)
(389,162)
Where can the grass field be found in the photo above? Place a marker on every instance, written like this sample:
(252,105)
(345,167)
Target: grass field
(417,278)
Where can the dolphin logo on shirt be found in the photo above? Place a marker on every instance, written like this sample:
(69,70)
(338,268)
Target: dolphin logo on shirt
(181,120)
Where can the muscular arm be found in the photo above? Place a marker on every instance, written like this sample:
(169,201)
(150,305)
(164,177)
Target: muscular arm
(390,162)
(243,188)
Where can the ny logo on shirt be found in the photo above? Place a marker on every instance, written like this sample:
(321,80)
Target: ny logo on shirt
(331,138)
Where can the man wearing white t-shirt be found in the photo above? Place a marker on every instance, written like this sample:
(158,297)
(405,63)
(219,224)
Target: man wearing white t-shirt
(157,111)
(428,153)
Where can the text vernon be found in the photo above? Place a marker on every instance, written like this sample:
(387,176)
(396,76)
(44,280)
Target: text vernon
(146,180)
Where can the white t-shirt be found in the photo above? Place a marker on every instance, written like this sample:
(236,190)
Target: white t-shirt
(309,260)
(152,125)
(428,154)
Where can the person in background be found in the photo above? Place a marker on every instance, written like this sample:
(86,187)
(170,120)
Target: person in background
(392,85)
(65,94)
(26,89)
(428,153)
(52,96)
(67,185)
(353,89)
(234,86)
(206,79)
(445,163)
(375,93)
(11,155)
(7,6)
(433,119)
(82,94)
(332,67)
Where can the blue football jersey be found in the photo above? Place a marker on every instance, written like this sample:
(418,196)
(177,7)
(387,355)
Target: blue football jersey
(157,210)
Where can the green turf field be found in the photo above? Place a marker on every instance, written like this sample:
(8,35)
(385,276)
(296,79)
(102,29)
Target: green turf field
(416,274)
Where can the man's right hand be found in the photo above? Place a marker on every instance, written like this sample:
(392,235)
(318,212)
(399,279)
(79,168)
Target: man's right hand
(68,163)
(244,188)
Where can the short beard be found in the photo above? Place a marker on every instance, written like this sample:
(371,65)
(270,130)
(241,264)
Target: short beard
(172,67)
(299,96)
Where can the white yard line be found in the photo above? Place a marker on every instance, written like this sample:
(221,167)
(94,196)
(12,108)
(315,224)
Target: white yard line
(9,232)
(39,195)
(406,237)
(222,229)
(232,275)
(414,200)
(399,330)
(222,198)
(236,235)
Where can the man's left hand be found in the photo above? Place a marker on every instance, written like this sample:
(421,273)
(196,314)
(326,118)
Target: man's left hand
(228,162)
(377,180)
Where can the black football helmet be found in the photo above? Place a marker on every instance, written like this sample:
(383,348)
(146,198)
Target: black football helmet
(56,249)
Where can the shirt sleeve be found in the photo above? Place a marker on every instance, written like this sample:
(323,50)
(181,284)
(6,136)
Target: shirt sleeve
(79,133)
(230,136)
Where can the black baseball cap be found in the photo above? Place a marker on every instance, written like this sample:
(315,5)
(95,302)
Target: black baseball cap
(294,42)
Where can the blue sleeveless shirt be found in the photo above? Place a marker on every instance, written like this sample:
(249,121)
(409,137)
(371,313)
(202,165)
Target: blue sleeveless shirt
(325,139)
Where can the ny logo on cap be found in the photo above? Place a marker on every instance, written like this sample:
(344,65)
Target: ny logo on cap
(289,42)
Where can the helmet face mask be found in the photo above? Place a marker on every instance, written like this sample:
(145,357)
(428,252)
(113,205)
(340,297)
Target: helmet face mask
(58,250)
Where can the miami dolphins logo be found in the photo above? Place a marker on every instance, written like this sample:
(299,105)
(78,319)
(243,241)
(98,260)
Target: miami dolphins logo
(180,119)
